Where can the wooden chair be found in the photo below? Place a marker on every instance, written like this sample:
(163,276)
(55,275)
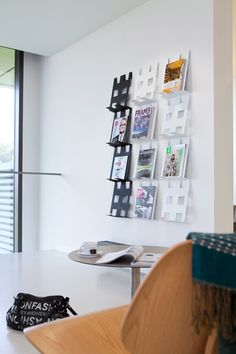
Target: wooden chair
(158,320)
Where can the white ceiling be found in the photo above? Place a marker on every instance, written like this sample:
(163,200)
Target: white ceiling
(47,26)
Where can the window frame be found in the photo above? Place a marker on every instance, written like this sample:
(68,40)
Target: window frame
(18,150)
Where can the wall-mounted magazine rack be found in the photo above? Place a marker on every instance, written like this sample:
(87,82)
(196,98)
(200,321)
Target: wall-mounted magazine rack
(174,129)
(175,201)
(172,103)
(146,84)
(119,139)
(145,101)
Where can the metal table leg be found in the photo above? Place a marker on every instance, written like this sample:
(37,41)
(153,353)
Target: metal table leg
(135,279)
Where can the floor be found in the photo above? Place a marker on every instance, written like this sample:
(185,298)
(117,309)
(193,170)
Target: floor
(89,288)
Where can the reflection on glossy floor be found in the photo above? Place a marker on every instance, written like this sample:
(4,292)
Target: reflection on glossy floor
(90,288)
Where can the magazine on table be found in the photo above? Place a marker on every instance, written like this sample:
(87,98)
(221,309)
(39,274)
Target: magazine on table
(145,202)
(142,122)
(174,161)
(146,259)
(174,76)
(132,253)
(145,164)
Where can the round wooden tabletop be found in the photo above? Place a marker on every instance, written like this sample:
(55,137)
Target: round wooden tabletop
(124,262)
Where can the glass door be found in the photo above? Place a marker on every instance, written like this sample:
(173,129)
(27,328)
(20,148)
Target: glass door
(10,237)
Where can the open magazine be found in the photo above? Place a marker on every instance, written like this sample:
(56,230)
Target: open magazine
(132,252)
(135,254)
(146,259)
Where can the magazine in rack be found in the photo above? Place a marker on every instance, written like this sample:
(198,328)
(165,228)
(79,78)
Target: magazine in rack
(145,164)
(174,161)
(145,202)
(174,76)
(121,162)
(119,129)
(119,167)
(143,117)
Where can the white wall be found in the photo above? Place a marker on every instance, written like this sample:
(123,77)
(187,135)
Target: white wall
(234,136)
(31,141)
(223,116)
(76,88)
(234,96)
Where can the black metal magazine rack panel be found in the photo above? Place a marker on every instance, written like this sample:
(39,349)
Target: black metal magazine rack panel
(119,140)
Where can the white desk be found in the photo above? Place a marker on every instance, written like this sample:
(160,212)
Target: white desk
(123,263)
(51,272)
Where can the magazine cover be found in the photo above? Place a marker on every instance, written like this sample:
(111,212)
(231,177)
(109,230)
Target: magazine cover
(174,159)
(174,73)
(145,164)
(119,167)
(145,202)
(142,121)
(119,130)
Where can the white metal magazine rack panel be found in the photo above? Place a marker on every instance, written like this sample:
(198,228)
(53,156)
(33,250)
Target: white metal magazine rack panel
(175,115)
(146,90)
(175,201)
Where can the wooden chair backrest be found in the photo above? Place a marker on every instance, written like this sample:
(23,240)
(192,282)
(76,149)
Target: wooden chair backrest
(159,318)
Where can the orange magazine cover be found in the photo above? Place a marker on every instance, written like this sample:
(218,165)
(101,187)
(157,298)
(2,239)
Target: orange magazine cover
(173,80)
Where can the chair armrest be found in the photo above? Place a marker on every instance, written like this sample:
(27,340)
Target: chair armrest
(93,333)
